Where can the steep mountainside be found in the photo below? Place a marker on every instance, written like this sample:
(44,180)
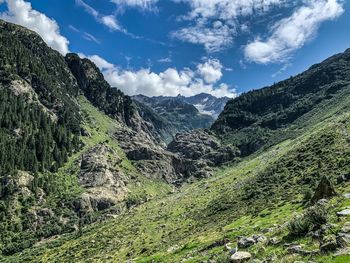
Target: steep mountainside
(261,117)
(180,115)
(73,149)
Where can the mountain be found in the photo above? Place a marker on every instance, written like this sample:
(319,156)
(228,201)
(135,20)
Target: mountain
(206,103)
(263,117)
(74,150)
(180,115)
(85,174)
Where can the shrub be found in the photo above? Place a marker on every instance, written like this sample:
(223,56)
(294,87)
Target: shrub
(312,219)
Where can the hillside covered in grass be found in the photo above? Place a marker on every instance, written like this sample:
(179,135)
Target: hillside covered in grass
(258,196)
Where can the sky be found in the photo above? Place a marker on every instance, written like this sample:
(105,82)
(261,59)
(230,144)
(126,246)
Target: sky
(171,47)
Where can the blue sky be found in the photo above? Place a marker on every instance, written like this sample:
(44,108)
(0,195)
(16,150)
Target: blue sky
(166,47)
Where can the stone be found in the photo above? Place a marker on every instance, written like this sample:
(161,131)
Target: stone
(344,212)
(259,238)
(298,249)
(324,190)
(343,240)
(342,251)
(173,249)
(240,256)
(245,242)
(346,228)
(228,246)
(274,241)
(329,243)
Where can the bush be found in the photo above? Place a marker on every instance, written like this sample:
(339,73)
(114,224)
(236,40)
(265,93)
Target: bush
(312,219)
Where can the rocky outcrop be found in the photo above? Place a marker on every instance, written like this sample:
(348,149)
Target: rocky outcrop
(104,182)
(324,190)
(202,150)
(112,101)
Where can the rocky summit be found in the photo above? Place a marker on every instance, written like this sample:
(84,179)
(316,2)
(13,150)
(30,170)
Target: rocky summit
(90,174)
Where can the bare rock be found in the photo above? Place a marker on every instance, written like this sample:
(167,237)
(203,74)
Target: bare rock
(245,242)
(329,243)
(102,178)
(240,256)
(324,190)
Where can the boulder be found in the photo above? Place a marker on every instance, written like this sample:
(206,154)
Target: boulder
(324,190)
(240,256)
(344,212)
(343,240)
(329,243)
(346,228)
(245,242)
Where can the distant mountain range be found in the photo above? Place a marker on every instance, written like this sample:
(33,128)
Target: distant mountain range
(205,103)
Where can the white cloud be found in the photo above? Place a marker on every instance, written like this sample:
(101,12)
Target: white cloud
(22,13)
(143,4)
(170,82)
(165,60)
(215,22)
(228,9)
(210,71)
(99,62)
(85,35)
(213,37)
(91,38)
(110,21)
(293,32)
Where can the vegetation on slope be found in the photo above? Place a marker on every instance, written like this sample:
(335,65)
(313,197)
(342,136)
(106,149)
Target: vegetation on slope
(256,194)
(252,119)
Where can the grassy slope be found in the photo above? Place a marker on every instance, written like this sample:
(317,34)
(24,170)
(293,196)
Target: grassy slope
(101,127)
(253,195)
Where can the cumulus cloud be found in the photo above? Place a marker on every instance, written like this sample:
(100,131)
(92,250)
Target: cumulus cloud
(213,37)
(215,22)
(108,20)
(99,62)
(210,71)
(293,32)
(22,13)
(170,82)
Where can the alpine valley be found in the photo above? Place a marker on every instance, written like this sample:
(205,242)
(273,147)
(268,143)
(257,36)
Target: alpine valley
(88,174)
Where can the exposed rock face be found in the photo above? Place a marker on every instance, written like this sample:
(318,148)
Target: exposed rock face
(180,115)
(200,145)
(324,190)
(105,183)
(111,100)
(148,157)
